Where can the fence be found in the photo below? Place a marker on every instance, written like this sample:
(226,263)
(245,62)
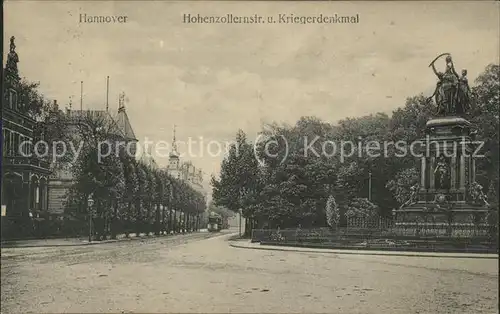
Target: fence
(59,227)
(363,233)
(377,222)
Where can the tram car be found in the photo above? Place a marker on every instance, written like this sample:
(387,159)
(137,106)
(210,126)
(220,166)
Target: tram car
(214,222)
(225,223)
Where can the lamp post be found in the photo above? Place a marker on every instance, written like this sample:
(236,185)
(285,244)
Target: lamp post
(370,186)
(90,203)
(90,200)
(240,222)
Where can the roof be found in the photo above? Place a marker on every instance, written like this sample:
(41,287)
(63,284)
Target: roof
(173,154)
(119,120)
(124,125)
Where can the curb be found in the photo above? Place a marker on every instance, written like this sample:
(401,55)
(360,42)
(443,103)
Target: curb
(91,243)
(358,252)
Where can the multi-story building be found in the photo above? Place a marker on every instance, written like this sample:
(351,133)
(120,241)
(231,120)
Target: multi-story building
(119,124)
(193,176)
(24,175)
(185,171)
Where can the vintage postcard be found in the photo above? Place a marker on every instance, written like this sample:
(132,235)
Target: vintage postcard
(250,157)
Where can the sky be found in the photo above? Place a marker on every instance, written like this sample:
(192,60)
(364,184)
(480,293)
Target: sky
(213,79)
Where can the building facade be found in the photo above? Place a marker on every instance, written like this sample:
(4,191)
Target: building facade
(192,175)
(24,175)
(185,171)
(62,179)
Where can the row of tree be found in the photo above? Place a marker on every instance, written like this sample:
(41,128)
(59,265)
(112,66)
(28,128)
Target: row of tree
(282,185)
(121,193)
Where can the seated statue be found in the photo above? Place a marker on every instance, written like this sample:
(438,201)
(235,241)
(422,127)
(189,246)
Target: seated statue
(477,195)
(413,195)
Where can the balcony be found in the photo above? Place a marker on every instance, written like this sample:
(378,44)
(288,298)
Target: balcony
(22,161)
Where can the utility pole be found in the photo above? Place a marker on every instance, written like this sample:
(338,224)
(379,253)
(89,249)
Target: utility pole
(240,222)
(370,186)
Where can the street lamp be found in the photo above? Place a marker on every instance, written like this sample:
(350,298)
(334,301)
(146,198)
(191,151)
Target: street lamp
(90,203)
(370,186)
(240,212)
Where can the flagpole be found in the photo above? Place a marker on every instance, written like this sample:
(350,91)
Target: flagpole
(81,96)
(107,93)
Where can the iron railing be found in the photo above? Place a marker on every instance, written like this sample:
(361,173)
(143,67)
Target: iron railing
(430,235)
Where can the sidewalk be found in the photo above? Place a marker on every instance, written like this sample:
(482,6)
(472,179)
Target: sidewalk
(79,241)
(246,244)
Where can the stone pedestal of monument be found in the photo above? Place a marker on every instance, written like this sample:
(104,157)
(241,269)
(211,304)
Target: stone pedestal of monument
(447,174)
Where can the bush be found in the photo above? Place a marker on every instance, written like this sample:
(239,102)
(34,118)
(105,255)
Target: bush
(332,212)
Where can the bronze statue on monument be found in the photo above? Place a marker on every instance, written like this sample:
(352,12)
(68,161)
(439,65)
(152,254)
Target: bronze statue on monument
(477,195)
(449,194)
(441,173)
(11,71)
(452,94)
(413,198)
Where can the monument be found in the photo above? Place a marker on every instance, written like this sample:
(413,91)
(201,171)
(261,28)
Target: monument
(447,198)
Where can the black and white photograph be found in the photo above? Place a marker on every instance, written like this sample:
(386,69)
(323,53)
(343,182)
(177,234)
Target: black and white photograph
(250,157)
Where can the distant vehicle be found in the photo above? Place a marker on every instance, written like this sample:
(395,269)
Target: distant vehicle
(225,223)
(215,222)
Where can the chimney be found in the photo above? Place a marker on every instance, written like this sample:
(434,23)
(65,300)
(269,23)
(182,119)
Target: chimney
(56,107)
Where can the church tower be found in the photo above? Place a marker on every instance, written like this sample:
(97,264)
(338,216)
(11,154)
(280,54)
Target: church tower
(173,160)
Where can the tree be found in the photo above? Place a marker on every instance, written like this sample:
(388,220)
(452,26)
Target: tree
(237,178)
(51,125)
(362,208)
(295,180)
(370,157)
(285,184)
(332,212)
(401,184)
(128,216)
(485,116)
(97,174)
(150,197)
(222,211)
(140,198)
(35,104)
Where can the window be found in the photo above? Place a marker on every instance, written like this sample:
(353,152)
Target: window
(21,138)
(12,99)
(25,147)
(4,144)
(10,144)
(15,100)
(16,144)
(6,98)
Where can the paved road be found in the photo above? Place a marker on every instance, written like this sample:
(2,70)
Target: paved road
(194,274)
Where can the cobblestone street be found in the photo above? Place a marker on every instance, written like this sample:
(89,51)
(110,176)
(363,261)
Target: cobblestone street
(202,273)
